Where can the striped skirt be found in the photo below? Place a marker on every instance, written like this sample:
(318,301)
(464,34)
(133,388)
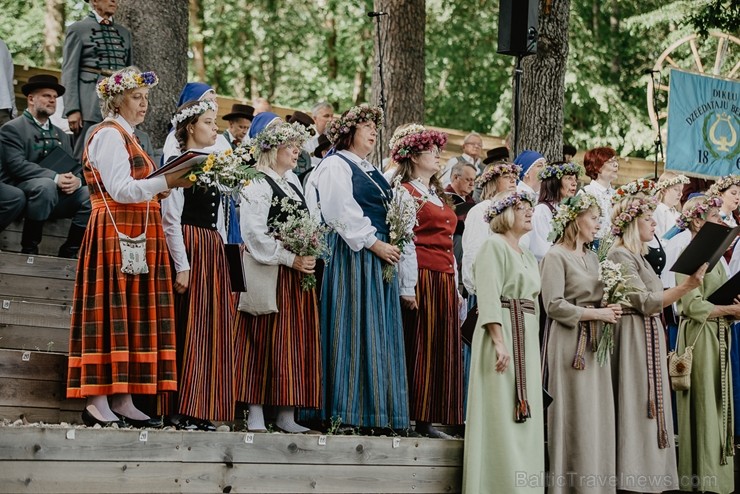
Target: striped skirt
(434,350)
(122,335)
(362,341)
(205,330)
(278,357)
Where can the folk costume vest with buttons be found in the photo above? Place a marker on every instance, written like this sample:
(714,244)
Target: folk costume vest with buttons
(372,192)
(201,207)
(434,246)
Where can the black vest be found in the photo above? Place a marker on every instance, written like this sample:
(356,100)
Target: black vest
(201,207)
(276,213)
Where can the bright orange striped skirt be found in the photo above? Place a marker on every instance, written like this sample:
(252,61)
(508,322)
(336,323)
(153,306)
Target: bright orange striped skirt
(434,350)
(279,355)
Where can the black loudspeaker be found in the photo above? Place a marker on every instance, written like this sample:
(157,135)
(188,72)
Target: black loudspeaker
(517,27)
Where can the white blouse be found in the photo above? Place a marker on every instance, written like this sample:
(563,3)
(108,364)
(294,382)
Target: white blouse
(475,233)
(665,218)
(172,147)
(541,228)
(604,196)
(107,154)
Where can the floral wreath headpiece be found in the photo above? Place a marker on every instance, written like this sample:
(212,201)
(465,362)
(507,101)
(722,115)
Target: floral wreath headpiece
(415,139)
(641,185)
(670,182)
(498,207)
(354,116)
(191,111)
(559,169)
(723,184)
(698,210)
(278,135)
(568,210)
(127,79)
(497,170)
(638,207)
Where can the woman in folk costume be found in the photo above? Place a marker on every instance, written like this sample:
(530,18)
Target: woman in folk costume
(429,296)
(505,439)
(194,226)
(362,335)
(122,335)
(705,411)
(602,167)
(278,354)
(645,446)
(668,190)
(580,422)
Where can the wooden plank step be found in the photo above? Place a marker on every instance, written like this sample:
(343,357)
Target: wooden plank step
(55,233)
(45,415)
(35,314)
(21,337)
(38,266)
(22,393)
(36,289)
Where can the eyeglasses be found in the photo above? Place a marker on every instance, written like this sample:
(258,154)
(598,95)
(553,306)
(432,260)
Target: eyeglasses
(473,144)
(433,153)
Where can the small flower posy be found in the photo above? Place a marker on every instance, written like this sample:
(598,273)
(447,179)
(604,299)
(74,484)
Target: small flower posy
(634,187)
(699,210)
(559,170)
(228,170)
(496,208)
(118,83)
(637,208)
(723,184)
(664,184)
(415,139)
(497,170)
(279,135)
(191,111)
(568,210)
(354,116)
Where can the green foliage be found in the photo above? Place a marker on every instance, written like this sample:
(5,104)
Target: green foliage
(716,14)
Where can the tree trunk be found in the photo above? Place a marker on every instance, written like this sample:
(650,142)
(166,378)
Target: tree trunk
(359,94)
(402,32)
(159,32)
(616,62)
(542,88)
(53,31)
(197,45)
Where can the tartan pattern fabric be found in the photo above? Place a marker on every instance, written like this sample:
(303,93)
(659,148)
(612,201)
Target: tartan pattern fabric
(122,335)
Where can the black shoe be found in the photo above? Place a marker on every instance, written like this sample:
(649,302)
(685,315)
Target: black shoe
(188,423)
(90,421)
(67,252)
(31,251)
(152,423)
(31,236)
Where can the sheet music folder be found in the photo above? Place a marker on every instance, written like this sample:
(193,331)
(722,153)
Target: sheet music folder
(725,295)
(185,162)
(61,162)
(707,246)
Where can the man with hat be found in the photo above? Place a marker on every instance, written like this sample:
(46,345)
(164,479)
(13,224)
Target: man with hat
(472,146)
(304,159)
(25,143)
(240,119)
(94,48)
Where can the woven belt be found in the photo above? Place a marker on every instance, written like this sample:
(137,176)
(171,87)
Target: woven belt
(723,335)
(586,335)
(517,309)
(95,70)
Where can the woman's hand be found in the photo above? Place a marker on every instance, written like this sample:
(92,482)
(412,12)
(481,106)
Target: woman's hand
(387,252)
(503,358)
(163,195)
(610,314)
(176,179)
(696,279)
(182,281)
(734,309)
(409,302)
(304,264)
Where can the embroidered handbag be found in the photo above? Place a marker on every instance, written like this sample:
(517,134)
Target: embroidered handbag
(679,366)
(261,295)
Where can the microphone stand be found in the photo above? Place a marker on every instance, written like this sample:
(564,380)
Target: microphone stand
(659,137)
(382,86)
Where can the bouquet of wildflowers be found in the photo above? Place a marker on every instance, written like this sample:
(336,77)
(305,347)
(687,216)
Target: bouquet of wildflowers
(401,220)
(301,234)
(616,291)
(229,170)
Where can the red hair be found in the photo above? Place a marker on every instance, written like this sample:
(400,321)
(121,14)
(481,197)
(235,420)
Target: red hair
(595,158)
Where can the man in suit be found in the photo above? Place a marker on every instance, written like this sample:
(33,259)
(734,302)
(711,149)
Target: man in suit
(239,118)
(25,143)
(94,47)
(472,147)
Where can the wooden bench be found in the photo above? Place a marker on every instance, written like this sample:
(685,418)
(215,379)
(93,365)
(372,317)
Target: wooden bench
(55,233)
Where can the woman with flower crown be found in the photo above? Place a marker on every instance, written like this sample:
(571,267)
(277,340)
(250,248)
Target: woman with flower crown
(195,230)
(728,189)
(559,180)
(705,411)
(668,191)
(362,335)
(505,424)
(580,421)
(645,445)
(278,354)
(428,274)
(122,338)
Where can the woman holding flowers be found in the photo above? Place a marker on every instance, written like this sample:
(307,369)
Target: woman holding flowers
(122,338)
(559,180)
(580,422)
(429,296)
(645,446)
(362,335)
(705,421)
(504,421)
(194,226)
(279,354)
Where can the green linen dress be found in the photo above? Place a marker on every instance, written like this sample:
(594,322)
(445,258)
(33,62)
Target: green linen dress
(704,410)
(502,456)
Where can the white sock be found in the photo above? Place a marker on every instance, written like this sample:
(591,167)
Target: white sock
(286,421)
(256,419)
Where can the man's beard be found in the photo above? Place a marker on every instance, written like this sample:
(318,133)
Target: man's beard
(43,113)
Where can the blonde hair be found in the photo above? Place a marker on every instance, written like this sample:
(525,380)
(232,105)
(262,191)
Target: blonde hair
(667,175)
(571,230)
(267,159)
(503,222)
(690,204)
(630,238)
(488,190)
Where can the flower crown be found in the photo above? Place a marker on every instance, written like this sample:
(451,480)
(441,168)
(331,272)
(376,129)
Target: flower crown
(723,184)
(126,79)
(637,208)
(497,170)
(354,116)
(633,188)
(498,207)
(278,135)
(568,210)
(670,182)
(559,169)
(199,109)
(698,210)
(415,139)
